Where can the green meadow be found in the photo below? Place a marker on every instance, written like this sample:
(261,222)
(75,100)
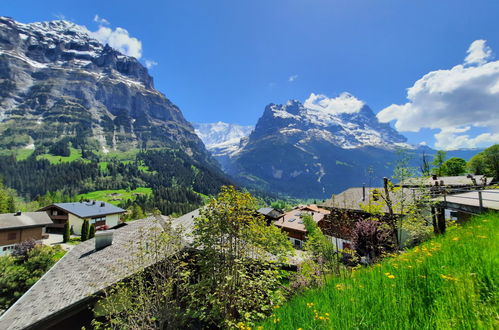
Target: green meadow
(115,196)
(449,282)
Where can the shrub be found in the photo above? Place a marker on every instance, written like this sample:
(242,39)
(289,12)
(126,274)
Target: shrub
(371,238)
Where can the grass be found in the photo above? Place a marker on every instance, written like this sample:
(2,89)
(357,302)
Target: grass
(449,282)
(74,155)
(115,196)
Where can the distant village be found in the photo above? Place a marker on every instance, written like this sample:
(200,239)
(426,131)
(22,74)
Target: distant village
(62,296)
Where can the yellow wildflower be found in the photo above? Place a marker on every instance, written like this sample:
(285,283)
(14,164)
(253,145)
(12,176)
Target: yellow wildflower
(481,236)
(391,276)
(455,239)
(339,287)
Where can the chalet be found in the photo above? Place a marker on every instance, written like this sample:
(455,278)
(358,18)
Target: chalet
(96,212)
(358,203)
(21,226)
(270,214)
(292,223)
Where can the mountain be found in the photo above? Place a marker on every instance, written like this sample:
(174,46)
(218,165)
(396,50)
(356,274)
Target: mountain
(57,81)
(79,105)
(305,150)
(223,140)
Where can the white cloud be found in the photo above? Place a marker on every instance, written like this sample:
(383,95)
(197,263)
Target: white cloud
(344,103)
(478,53)
(120,40)
(101,20)
(293,78)
(453,100)
(450,139)
(150,63)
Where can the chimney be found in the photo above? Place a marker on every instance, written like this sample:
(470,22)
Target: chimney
(434,176)
(363,192)
(93,202)
(18,213)
(102,204)
(103,239)
(441,182)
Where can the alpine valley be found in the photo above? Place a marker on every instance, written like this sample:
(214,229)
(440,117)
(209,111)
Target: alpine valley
(314,149)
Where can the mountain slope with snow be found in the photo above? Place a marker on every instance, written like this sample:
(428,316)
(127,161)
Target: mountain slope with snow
(317,148)
(57,81)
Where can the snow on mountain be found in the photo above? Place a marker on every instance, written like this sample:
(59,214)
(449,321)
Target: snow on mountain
(223,138)
(344,121)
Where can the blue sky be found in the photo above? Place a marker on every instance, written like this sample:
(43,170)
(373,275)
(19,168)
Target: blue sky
(226,60)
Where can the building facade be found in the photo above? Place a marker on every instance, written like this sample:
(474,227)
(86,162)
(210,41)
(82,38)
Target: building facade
(18,227)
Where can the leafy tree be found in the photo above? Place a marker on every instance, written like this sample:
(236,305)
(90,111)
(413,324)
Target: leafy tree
(19,273)
(322,250)
(371,238)
(454,166)
(84,230)
(476,164)
(67,233)
(438,162)
(238,281)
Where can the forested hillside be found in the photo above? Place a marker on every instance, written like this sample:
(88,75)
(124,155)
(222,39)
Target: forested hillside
(177,181)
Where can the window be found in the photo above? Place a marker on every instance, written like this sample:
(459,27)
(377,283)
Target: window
(54,212)
(11,236)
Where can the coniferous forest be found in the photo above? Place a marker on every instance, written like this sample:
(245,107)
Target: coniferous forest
(177,181)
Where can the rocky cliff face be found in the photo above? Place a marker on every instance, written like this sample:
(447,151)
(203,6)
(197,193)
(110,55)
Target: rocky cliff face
(57,81)
(308,151)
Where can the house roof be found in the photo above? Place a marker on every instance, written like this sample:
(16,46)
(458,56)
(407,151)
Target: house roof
(24,220)
(88,209)
(270,212)
(462,180)
(353,199)
(81,273)
(292,219)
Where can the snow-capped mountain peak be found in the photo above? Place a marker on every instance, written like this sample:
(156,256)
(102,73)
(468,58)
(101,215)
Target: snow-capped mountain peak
(222,138)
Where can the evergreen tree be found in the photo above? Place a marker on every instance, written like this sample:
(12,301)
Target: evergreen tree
(84,230)
(67,234)
(438,162)
(91,232)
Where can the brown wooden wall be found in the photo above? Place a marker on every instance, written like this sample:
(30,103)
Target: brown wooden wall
(21,235)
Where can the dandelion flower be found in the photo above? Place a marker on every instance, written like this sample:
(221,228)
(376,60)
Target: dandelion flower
(391,276)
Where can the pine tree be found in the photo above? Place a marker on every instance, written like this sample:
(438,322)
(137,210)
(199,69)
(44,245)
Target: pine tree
(91,233)
(84,230)
(67,234)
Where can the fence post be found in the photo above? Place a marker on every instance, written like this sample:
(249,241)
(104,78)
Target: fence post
(480,200)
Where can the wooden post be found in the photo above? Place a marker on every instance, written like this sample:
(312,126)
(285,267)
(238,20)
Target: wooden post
(480,200)
(434,220)
(441,220)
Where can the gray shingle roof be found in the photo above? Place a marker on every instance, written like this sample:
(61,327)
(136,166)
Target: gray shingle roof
(352,199)
(81,273)
(89,209)
(461,180)
(25,219)
(270,212)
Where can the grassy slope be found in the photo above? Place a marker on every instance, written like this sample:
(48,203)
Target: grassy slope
(106,195)
(448,282)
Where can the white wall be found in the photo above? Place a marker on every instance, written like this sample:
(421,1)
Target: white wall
(112,220)
(76,222)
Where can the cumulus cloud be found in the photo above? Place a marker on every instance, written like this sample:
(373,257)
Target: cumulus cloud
(478,53)
(344,103)
(101,20)
(293,78)
(120,40)
(150,63)
(453,100)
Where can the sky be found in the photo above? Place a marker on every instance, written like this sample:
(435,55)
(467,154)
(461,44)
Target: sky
(428,67)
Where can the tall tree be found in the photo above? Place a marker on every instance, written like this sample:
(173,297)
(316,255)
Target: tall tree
(486,162)
(84,230)
(237,279)
(454,166)
(438,162)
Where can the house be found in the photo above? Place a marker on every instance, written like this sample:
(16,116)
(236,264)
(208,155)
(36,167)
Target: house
(291,222)
(359,203)
(96,212)
(270,214)
(21,226)
(63,297)
(461,181)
